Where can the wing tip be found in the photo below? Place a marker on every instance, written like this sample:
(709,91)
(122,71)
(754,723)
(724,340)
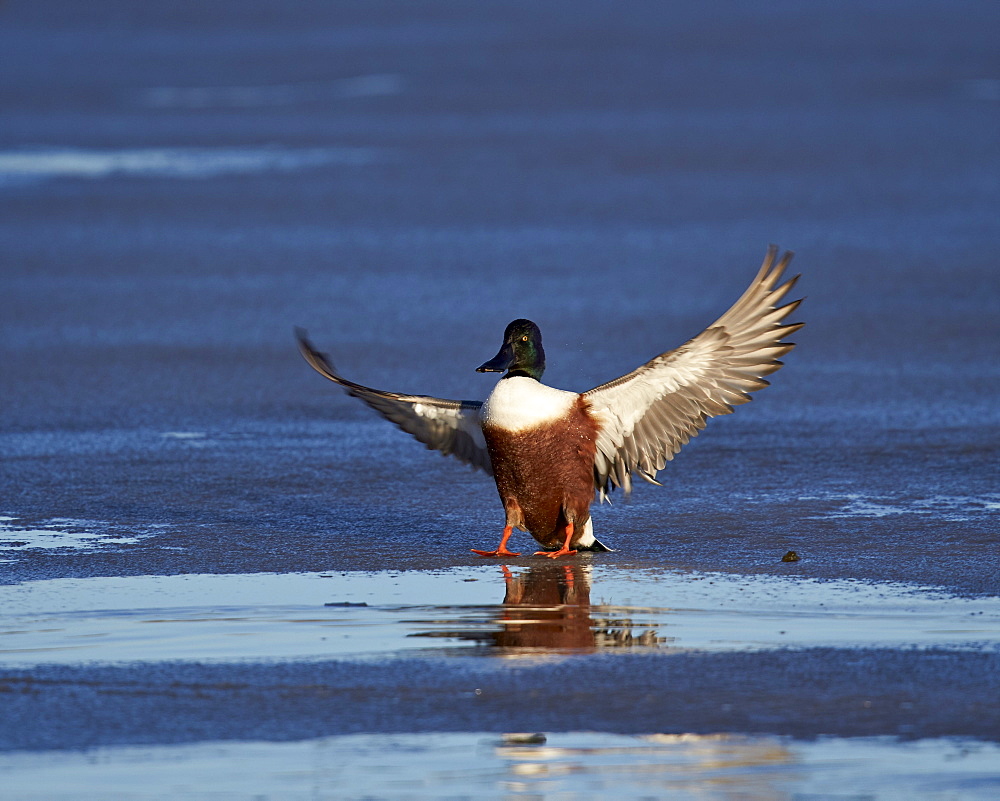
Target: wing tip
(787,329)
(302,338)
(773,267)
(319,362)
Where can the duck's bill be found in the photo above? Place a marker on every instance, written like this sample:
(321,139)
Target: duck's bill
(502,361)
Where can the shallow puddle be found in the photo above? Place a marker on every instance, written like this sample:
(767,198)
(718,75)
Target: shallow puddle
(480,765)
(490,610)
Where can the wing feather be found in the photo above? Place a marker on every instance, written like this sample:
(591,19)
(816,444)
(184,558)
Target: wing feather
(647,415)
(449,426)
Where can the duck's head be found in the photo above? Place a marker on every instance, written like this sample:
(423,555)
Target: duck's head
(521,352)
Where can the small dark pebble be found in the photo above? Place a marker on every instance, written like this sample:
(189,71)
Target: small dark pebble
(345,603)
(519,738)
(791,556)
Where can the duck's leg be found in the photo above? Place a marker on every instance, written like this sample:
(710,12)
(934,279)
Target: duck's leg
(565,550)
(502,548)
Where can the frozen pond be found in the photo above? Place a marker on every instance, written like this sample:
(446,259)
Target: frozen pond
(220,577)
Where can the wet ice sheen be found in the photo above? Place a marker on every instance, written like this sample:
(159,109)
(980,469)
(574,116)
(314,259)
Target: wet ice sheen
(479,765)
(543,610)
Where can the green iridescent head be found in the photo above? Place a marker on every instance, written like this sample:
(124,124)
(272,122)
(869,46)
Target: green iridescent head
(521,352)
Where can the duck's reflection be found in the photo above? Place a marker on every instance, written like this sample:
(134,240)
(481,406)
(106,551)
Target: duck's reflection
(548,608)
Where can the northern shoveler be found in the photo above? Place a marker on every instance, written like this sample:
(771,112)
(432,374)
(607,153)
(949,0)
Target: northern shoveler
(550,450)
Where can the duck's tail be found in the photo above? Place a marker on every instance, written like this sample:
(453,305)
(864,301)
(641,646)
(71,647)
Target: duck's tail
(596,545)
(588,542)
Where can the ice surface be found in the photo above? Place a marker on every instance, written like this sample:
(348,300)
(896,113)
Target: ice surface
(182,183)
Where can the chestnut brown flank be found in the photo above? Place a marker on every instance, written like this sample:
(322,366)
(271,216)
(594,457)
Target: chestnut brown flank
(545,476)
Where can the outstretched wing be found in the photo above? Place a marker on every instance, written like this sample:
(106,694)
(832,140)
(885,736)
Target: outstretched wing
(647,415)
(449,426)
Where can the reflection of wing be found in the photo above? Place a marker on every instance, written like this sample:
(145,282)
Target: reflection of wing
(449,426)
(647,415)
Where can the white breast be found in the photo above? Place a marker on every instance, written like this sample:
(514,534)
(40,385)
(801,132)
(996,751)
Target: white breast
(520,403)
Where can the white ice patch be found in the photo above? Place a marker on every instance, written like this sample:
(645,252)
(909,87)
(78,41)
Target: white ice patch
(521,403)
(945,507)
(176,162)
(57,533)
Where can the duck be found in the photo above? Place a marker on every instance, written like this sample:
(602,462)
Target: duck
(553,452)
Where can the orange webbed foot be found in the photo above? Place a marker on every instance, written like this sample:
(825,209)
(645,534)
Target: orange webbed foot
(498,552)
(502,547)
(555,554)
(565,550)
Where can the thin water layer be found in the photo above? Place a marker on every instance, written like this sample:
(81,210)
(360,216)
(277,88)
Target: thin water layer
(488,610)
(577,765)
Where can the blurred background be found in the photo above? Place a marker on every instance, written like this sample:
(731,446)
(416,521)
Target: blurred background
(181,183)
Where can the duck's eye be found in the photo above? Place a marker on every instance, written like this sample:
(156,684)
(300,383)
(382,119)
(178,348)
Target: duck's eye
(524,339)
